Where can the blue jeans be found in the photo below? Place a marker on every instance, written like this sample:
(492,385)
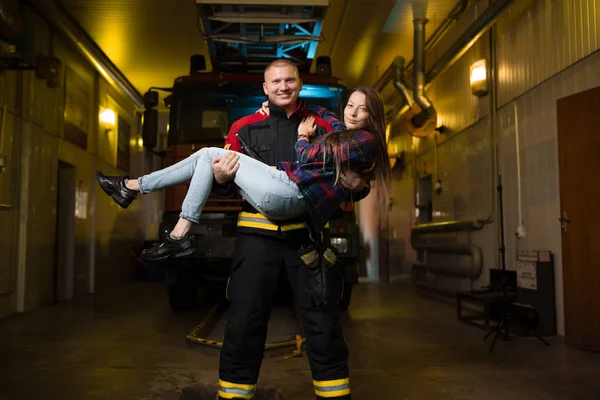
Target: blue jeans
(267,189)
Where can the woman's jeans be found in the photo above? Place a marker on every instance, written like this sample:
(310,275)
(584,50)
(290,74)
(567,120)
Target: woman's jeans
(267,189)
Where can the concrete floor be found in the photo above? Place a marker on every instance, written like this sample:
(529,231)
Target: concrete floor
(127,344)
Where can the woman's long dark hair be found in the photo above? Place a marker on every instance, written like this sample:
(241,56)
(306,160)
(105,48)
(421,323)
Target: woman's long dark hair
(380,171)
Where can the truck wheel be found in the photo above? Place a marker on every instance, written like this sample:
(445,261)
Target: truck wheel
(182,297)
(346,296)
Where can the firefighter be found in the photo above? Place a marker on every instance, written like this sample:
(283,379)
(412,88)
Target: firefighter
(264,247)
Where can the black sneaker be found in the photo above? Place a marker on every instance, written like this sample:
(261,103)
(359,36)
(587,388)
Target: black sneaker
(170,248)
(114,186)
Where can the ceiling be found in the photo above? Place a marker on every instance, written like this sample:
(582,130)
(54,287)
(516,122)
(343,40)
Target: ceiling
(151,41)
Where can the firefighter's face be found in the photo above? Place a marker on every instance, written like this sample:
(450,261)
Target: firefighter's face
(282,85)
(355,113)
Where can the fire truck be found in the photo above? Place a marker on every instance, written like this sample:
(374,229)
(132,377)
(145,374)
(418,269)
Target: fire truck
(242,39)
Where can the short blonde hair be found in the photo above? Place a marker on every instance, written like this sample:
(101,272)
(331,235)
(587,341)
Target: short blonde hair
(279,63)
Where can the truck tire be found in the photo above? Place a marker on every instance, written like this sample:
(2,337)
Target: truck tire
(182,297)
(346,296)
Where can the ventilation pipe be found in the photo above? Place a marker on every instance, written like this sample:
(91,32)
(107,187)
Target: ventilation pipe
(399,65)
(427,110)
(483,23)
(453,16)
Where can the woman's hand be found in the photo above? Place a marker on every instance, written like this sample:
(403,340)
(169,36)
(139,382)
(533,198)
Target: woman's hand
(307,128)
(264,110)
(351,180)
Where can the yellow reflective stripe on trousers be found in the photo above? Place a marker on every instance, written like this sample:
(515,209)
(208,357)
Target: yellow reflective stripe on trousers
(334,388)
(252,215)
(330,256)
(229,390)
(291,227)
(258,225)
(259,221)
(310,257)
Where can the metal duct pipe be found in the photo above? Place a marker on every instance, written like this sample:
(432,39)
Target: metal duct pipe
(472,250)
(468,38)
(399,79)
(452,16)
(60,20)
(421,99)
(445,227)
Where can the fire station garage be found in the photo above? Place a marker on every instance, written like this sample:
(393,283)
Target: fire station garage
(299,199)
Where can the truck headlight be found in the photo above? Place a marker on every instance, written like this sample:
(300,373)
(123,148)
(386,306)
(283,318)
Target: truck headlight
(341,244)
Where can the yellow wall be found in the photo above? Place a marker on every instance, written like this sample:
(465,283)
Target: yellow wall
(34,139)
(541,56)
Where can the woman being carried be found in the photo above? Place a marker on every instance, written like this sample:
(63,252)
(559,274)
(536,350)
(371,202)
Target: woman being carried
(308,186)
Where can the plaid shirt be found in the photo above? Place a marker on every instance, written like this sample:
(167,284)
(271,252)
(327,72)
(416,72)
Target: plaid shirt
(315,172)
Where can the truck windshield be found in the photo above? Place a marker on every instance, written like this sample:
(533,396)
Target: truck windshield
(203,113)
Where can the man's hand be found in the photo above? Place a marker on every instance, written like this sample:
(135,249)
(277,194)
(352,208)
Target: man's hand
(224,168)
(351,180)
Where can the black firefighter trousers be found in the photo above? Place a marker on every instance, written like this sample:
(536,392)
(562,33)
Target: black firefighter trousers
(252,285)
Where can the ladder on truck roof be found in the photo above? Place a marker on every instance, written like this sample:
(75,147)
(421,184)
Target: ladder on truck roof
(244,36)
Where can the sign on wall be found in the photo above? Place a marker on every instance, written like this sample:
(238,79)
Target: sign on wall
(528,263)
(526,275)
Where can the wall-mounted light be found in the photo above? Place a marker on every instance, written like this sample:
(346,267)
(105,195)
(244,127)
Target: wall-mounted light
(479,81)
(108,120)
(107,116)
